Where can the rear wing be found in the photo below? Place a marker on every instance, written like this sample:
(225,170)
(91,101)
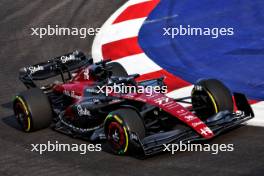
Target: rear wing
(53,67)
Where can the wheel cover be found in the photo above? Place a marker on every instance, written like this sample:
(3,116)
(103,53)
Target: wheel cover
(205,99)
(22,115)
(116,134)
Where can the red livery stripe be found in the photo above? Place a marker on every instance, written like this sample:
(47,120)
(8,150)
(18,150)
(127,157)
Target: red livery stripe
(139,10)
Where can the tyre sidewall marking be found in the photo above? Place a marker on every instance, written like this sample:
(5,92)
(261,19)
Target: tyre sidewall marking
(213,101)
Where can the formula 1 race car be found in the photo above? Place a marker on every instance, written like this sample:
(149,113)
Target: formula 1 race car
(133,122)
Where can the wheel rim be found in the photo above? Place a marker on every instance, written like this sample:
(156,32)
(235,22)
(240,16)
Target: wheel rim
(22,116)
(204,104)
(117,137)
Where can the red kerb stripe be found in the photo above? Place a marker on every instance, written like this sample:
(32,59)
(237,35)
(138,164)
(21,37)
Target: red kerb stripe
(121,48)
(137,11)
(253,101)
(173,82)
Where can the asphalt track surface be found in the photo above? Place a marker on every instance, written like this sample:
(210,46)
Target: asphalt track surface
(19,48)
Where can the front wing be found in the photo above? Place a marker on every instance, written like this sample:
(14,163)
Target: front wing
(218,124)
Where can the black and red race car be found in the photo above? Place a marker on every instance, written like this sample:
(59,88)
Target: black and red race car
(136,123)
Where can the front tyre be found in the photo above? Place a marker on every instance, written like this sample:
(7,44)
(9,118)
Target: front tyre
(210,96)
(120,127)
(32,110)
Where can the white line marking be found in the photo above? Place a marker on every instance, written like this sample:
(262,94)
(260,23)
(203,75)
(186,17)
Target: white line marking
(126,29)
(258,109)
(182,92)
(139,63)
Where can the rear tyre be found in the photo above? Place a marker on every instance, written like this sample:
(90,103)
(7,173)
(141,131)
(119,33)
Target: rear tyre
(119,126)
(32,110)
(118,69)
(211,96)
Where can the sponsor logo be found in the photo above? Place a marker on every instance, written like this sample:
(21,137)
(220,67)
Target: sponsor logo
(91,90)
(71,94)
(82,111)
(162,100)
(65,59)
(189,118)
(180,111)
(86,74)
(34,69)
(198,88)
(195,124)
(133,136)
(115,101)
(206,131)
